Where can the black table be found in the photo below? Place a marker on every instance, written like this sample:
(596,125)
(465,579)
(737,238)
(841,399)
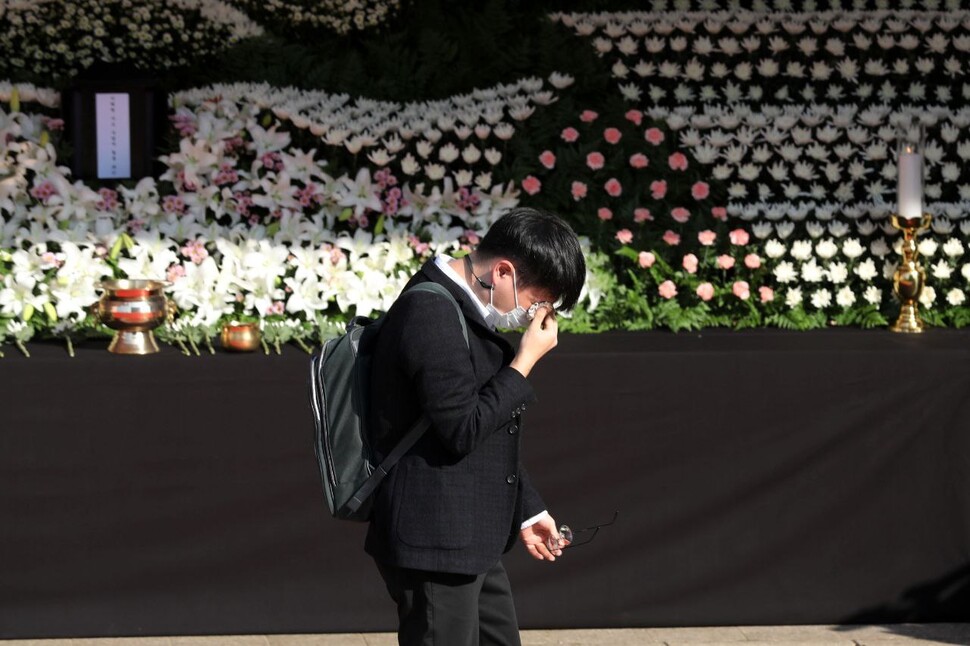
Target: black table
(763,477)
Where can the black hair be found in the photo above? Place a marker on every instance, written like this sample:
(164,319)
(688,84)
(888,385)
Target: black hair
(544,249)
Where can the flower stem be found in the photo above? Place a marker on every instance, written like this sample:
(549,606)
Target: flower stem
(265,346)
(303,346)
(70,347)
(22,348)
(208,343)
(185,350)
(276,344)
(194,347)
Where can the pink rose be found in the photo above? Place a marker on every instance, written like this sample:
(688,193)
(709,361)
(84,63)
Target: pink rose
(646,259)
(635,116)
(739,237)
(706,237)
(604,213)
(680,214)
(741,290)
(531,185)
(578,190)
(613,187)
(625,236)
(654,136)
(699,190)
(641,215)
(705,291)
(548,159)
(588,116)
(725,261)
(595,160)
(612,135)
(658,188)
(752,261)
(767,294)
(690,263)
(678,161)
(639,160)
(719,213)
(671,238)
(667,289)
(569,135)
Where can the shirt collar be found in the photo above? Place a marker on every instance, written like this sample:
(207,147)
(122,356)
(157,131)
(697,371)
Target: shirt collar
(442,263)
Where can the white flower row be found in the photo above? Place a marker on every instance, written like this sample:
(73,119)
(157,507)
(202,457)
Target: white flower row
(56,38)
(806,47)
(731,92)
(767,21)
(336,15)
(362,123)
(855,213)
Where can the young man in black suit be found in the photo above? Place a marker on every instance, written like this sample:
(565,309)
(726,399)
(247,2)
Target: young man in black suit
(456,502)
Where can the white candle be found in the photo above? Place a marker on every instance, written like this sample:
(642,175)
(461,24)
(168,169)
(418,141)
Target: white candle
(910,191)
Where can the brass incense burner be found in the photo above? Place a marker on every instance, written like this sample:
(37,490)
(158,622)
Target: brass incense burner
(240,337)
(134,308)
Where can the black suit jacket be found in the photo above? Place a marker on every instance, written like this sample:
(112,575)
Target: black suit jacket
(455,501)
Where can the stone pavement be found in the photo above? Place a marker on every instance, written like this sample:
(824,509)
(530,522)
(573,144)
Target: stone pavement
(890,635)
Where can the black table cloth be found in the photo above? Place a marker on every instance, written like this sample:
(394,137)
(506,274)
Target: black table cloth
(761,477)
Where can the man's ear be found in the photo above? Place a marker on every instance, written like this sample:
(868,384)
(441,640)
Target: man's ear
(504,267)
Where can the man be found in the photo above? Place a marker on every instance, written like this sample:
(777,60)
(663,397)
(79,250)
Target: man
(454,504)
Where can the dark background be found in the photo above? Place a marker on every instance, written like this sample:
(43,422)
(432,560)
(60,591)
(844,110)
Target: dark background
(761,477)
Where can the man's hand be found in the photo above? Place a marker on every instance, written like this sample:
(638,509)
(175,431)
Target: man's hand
(540,337)
(537,537)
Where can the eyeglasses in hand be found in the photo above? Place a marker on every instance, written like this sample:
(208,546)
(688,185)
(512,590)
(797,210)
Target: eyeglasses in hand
(567,535)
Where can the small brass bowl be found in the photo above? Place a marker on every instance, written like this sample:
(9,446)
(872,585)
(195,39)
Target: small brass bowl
(240,337)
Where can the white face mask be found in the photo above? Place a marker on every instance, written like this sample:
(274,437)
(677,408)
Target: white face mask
(515,318)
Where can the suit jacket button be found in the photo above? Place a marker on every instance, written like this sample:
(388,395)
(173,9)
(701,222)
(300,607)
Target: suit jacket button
(513,429)
(511,479)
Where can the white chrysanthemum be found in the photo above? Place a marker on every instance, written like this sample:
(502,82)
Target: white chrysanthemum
(927,296)
(941,270)
(953,248)
(826,249)
(801,250)
(872,295)
(793,297)
(812,272)
(785,272)
(774,249)
(928,247)
(866,270)
(821,298)
(956,297)
(838,273)
(845,297)
(879,248)
(852,248)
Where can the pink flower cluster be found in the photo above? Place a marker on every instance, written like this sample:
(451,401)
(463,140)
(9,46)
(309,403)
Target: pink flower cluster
(391,196)
(109,199)
(724,262)
(43,191)
(195,251)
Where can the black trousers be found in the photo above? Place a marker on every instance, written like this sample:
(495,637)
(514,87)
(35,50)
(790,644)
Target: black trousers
(442,609)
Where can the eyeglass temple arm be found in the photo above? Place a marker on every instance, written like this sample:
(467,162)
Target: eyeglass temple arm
(595,529)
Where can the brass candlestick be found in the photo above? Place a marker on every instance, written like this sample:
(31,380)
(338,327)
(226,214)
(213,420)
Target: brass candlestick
(909,278)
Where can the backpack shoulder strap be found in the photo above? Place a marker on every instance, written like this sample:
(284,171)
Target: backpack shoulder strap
(419,427)
(443,291)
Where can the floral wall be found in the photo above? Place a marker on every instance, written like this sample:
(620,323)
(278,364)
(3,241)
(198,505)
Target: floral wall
(725,165)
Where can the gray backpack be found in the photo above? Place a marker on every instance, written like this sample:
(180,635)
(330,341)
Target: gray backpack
(339,376)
